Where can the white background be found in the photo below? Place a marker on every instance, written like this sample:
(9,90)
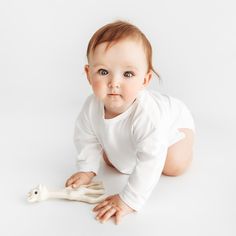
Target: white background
(43,86)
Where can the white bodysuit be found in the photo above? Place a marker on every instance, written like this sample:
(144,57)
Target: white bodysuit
(135,142)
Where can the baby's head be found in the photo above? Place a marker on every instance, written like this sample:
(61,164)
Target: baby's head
(120,30)
(119,65)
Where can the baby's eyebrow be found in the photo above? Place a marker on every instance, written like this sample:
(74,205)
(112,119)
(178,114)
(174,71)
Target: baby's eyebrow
(131,67)
(125,67)
(98,65)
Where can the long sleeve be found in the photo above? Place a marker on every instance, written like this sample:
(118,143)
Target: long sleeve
(151,154)
(86,142)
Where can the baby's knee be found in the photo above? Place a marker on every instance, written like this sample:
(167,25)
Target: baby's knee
(176,167)
(174,171)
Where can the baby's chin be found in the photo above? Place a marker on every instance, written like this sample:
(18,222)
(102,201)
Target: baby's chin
(116,107)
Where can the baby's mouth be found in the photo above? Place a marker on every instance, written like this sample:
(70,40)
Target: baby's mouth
(113,94)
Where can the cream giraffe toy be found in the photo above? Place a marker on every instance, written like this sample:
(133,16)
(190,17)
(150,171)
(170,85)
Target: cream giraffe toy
(91,193)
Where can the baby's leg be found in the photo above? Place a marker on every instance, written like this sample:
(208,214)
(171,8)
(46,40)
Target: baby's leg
(180,154)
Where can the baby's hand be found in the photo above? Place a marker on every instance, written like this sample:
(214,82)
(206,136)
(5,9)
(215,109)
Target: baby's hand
(79,178)
(112,206)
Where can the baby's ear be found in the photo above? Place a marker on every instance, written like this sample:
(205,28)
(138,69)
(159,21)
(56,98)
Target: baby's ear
(86,69)
(147,79)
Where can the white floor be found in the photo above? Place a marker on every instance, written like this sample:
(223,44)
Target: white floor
(39,149)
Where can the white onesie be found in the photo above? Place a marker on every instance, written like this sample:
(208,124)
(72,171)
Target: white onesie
(135,142)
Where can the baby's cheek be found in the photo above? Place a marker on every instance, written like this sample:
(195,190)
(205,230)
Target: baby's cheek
(99,89)
(131,93)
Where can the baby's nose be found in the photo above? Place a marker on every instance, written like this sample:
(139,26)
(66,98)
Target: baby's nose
(114,83)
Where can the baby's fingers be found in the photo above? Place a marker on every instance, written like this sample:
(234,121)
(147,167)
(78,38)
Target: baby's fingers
(69,182)
(118,217)
(102,211)
(72,181)
(108,214)
(77,183)
(100,205)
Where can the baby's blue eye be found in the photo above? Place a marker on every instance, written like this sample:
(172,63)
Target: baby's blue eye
(128,74)
(102,72)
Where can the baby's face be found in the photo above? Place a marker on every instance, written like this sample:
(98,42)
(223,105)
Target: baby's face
(118,74)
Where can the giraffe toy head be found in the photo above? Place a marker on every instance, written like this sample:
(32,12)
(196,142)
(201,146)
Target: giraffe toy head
(37,194)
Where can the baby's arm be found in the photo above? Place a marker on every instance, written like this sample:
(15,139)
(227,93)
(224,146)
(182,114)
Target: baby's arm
(151,155)
(85,140)
(88,147)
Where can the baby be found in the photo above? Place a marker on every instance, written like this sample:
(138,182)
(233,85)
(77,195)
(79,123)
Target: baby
(139,132)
